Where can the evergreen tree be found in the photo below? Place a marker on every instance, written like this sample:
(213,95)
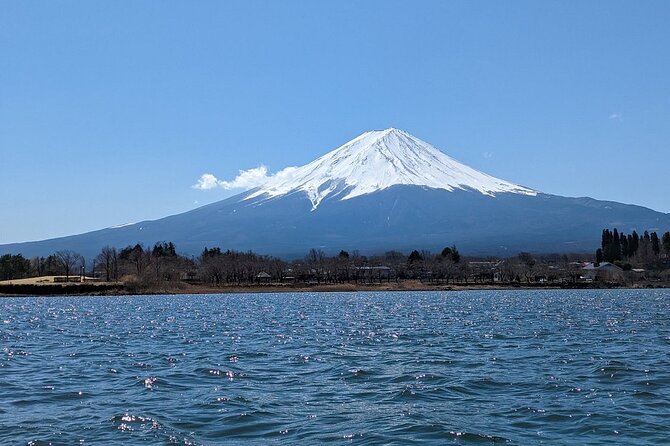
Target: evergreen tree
(599,255)
(455,255)
(451,253)
(605,239)
(616,246)
(655,244)
(164,250)
(414,256)
(13,267)
(635,245)
(624,246)
(666,243)
(213,252)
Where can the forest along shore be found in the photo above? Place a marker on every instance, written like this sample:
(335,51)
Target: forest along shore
(622,261)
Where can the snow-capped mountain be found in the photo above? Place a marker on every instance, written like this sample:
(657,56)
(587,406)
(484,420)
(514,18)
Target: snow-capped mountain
(384,190)
(377,160)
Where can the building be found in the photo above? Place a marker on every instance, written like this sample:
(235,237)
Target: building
(601,271)
(263,277)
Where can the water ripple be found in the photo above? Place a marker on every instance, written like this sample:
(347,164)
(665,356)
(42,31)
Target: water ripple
(505,367)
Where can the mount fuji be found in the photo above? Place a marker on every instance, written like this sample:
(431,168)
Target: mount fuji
(377,160)
(383,190)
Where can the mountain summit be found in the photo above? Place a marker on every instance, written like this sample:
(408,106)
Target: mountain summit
(377,160)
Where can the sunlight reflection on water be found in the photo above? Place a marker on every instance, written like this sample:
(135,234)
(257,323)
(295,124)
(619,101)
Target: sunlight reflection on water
(366,368)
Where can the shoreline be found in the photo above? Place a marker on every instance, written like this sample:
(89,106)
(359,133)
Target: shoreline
(121,289)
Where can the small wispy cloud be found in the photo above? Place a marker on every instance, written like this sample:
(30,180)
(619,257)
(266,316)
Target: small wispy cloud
(488,155)
(246,179)
(206,181)
(616,116)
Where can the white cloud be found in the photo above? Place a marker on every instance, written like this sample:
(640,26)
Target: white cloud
(246,179)
(616,116)
(283,174)
(206,181)
(488,155)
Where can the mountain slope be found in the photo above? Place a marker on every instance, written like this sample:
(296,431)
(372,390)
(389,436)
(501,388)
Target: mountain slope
(377,160)
(381,191)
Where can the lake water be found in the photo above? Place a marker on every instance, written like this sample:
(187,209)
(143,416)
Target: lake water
(479,367)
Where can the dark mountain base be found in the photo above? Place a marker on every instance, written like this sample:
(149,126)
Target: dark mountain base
(400,218)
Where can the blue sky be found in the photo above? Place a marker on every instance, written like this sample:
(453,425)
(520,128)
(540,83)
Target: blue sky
(110,111)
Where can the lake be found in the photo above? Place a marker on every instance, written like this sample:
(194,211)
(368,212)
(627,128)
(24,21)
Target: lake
(474,367)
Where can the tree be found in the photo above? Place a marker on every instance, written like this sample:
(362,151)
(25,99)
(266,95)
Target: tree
(315,259)
(527,259)
(616,246)
(527,265)
(414,256)
(606,239)
(655,244)
(634,245)
(624,246)
(68,261)
(451,253)
(37,266)
(108,260)
(315,256)
(13,266)
(211,265)
(666,244)
(341,266)
(49,266)
(415,264)
(599,255)
(212,252)
(165,262)
(164,250)
(135,256)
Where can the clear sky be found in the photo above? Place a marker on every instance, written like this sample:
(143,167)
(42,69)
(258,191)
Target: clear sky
(111,111)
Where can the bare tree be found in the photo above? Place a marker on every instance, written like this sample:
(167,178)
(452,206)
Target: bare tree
(315,261)
(108,260)
(527,264)
(68,260)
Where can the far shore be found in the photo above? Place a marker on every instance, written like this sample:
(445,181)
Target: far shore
(35,288)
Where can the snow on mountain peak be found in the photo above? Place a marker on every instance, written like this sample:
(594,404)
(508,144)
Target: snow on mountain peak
(377,160)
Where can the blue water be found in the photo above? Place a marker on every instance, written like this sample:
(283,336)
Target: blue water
(480,367)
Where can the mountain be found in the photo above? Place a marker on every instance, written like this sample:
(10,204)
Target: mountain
(382,190)
(377,160)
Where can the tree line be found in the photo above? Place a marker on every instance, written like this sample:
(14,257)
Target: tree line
(625,249)
(15,266)
(162,263)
